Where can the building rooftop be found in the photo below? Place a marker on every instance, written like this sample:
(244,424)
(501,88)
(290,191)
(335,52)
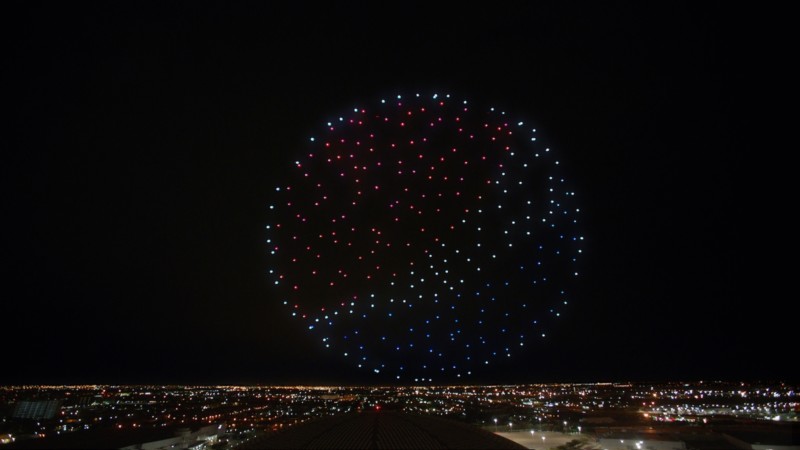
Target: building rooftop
(383,430)
(778,437)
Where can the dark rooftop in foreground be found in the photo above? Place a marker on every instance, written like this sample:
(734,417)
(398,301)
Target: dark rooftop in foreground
(383,430)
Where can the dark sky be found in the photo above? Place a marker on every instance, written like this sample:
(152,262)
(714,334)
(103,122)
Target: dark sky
(143,143)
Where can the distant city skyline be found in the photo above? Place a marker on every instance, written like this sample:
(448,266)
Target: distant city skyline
(699,415)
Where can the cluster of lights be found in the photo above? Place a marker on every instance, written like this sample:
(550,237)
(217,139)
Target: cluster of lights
(422,236)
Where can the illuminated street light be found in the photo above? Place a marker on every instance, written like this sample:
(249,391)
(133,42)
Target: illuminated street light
(495,424)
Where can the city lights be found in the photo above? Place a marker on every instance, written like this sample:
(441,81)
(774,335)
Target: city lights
(242,413)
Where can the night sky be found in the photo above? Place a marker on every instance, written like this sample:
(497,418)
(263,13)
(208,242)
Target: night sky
(145,145)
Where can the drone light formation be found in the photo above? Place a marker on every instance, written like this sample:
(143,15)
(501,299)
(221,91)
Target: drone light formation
(424,237)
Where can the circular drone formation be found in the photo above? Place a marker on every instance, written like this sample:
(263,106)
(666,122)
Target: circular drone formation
(424,237)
